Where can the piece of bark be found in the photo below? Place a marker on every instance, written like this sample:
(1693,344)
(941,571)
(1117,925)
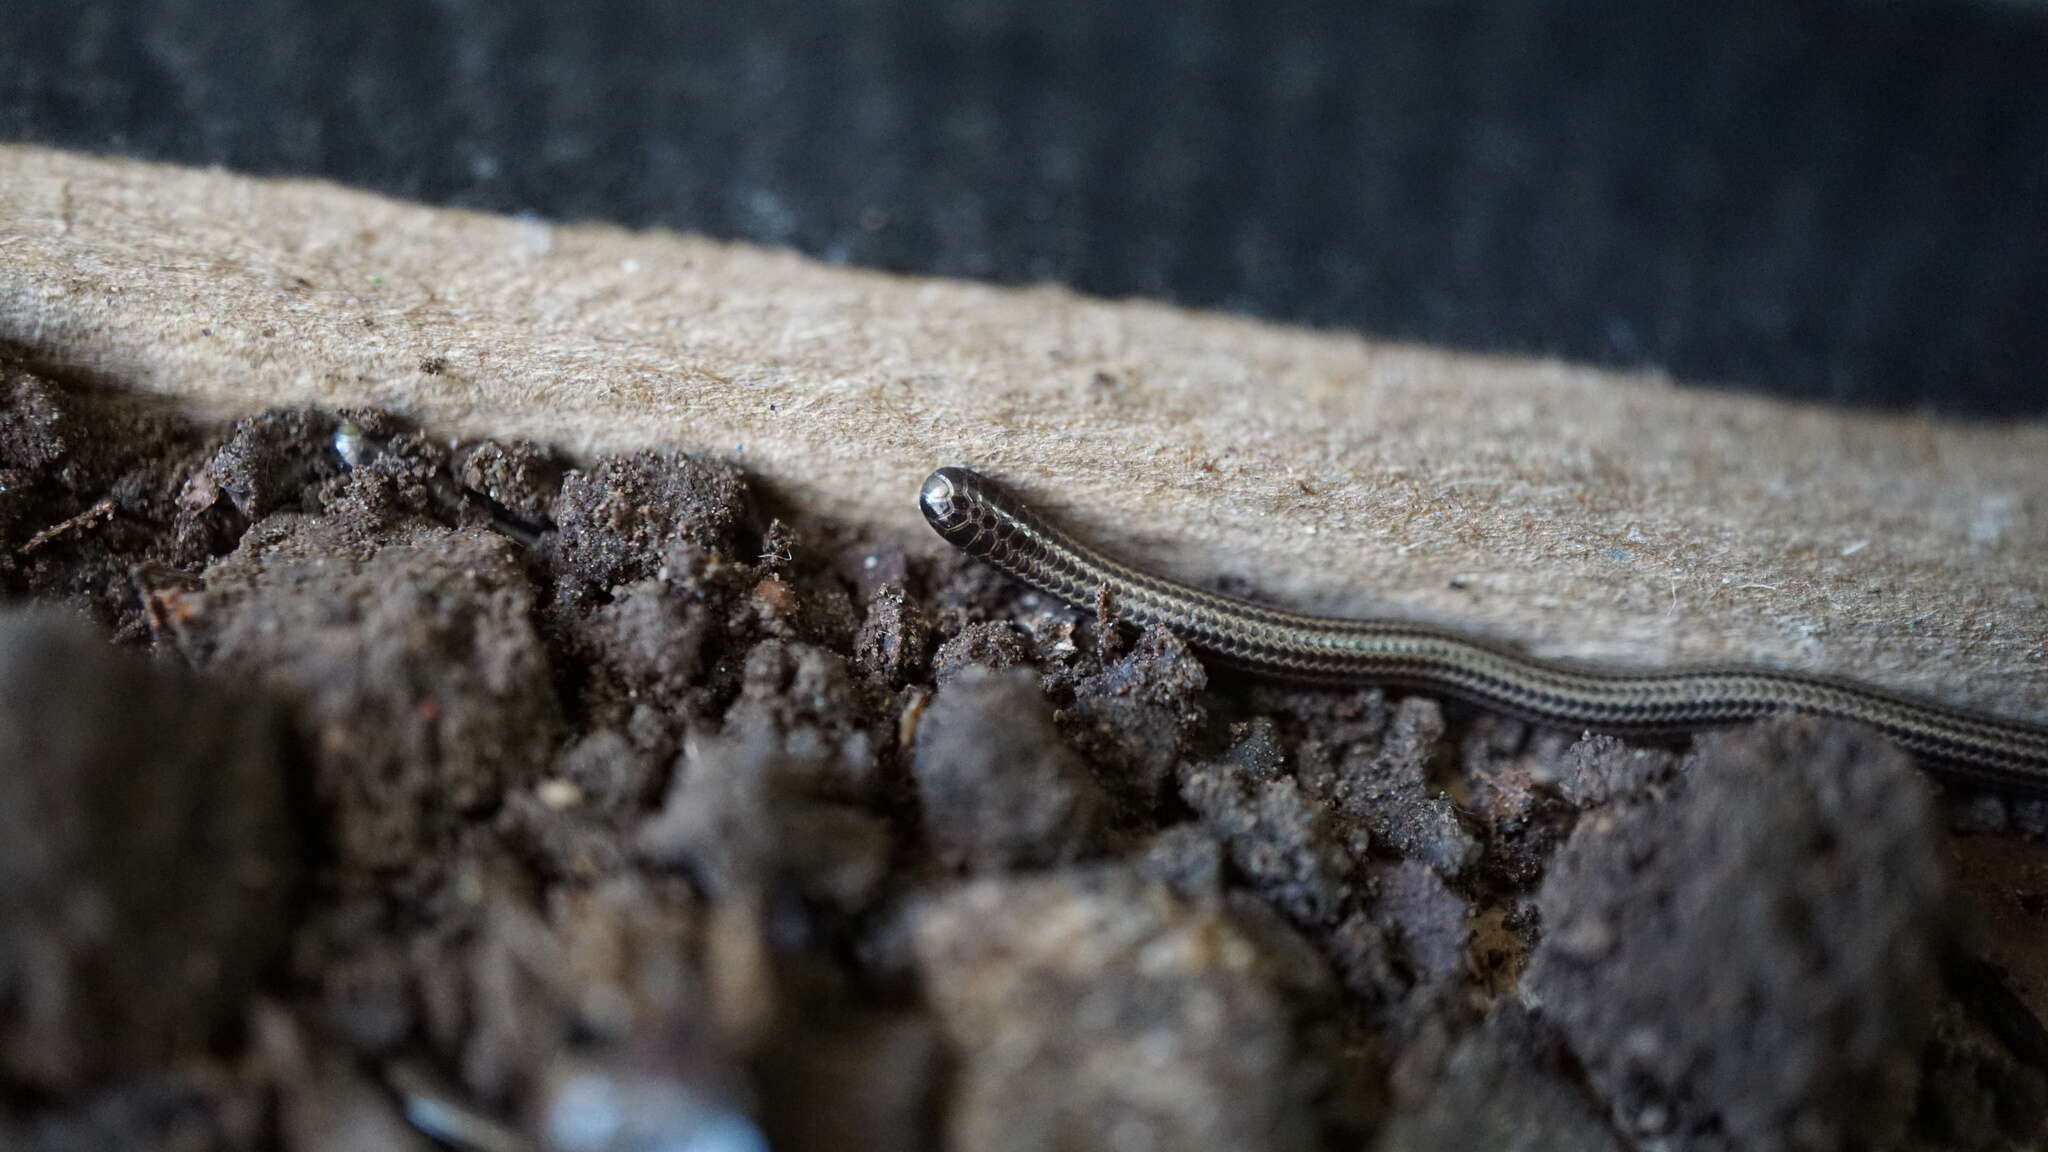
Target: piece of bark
(1582,513)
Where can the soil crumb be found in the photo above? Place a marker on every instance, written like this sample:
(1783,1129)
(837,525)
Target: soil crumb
(1754,958)
(148,856)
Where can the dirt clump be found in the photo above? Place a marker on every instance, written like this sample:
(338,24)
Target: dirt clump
(149,856)
(997,788)
(1508,1084)
(1091,1003)
(415,661)
(1754,959)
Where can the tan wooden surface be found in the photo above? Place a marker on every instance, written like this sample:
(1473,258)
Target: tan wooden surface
(1581,512)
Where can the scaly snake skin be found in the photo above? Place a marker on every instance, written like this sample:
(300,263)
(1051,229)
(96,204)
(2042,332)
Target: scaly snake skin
(982,519)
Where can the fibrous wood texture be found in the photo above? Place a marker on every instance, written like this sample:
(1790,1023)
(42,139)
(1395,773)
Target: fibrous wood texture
(1581,513)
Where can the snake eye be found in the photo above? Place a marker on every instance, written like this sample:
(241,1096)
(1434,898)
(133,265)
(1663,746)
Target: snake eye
(937,497)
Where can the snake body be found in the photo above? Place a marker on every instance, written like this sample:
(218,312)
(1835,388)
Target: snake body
(983,519)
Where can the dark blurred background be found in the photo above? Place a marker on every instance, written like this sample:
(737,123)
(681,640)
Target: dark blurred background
(1843,200)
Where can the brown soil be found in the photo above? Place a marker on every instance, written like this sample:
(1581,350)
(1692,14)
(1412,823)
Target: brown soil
(419,791)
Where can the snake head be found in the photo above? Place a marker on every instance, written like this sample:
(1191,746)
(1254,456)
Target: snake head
(941,499)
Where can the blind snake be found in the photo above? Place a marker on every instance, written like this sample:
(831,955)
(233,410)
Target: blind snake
(984,520)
